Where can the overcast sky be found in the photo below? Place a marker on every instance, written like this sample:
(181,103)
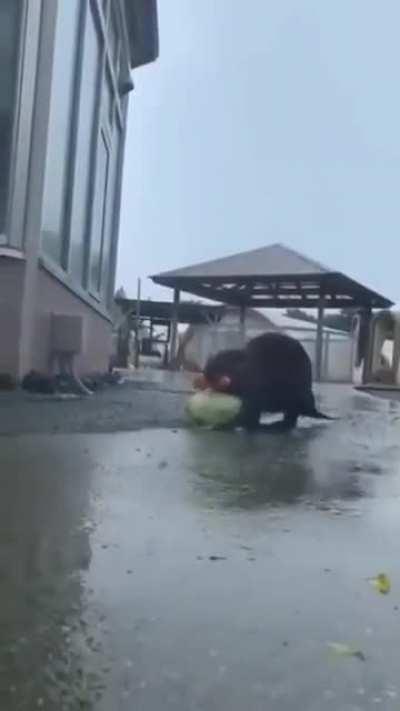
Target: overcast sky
(266,121)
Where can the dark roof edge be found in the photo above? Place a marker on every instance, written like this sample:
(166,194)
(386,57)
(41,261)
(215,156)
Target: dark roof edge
(172,276)
(164,279)
(142,18)
(359,285)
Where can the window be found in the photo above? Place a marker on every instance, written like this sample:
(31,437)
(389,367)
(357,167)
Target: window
(59,135)
(96,171)
(10,15)
(84,145)
(108,98)
(117,61)
(99,215)
(107,168)
(109,227)
(87,129)
(114,37)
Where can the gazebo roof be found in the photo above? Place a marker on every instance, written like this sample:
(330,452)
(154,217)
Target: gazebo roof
(271,277)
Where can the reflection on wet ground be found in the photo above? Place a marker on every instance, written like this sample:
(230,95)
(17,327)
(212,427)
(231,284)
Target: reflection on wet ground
(44,555)
(192,570)
(317,464)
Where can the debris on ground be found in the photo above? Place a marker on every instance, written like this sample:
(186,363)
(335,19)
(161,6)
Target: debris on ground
(37,383)
(7,382)
(381,583)
(345,650)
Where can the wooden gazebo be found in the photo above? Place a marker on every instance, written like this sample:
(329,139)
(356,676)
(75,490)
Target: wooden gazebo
(271,277)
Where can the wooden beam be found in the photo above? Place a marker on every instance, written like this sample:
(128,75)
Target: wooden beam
(333,283)
(285,303)
(138,324)
(304,299)
(184,282)
(214,295)
(319,343)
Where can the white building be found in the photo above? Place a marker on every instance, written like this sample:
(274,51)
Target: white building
(337,348)
(200,341)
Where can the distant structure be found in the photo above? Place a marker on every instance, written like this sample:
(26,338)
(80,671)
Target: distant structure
(200,341)
(382,354)
(269,278)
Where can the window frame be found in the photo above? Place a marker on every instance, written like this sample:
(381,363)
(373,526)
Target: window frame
(82,282)
(69,168)
(105,138)
(27,52)
(107,81)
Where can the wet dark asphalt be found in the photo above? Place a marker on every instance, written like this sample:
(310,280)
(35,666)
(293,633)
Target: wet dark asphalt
(187,569)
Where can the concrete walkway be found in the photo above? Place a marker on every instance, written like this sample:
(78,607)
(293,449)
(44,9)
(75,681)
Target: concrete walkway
(186,570)
(147,400)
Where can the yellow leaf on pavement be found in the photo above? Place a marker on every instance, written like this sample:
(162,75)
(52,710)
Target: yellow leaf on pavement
(345,650)
(381,583)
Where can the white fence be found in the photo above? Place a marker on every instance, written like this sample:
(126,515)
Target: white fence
(337,357)
(337,353)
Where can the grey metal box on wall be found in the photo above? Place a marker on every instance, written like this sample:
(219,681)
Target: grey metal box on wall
(67,333)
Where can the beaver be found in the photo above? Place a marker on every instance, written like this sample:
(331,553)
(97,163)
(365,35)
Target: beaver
(273,374)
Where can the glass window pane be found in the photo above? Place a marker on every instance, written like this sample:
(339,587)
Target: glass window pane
(10,14)
(58,145)
(109,233)
(117,63)
(108,99)
(83,165)
(114,39)
(99,215)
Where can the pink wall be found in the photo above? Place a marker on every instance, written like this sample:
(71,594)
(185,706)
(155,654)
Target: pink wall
(11,287)
(53,297)
(50,297)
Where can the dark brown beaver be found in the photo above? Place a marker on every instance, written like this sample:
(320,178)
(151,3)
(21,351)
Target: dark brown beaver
(271,374)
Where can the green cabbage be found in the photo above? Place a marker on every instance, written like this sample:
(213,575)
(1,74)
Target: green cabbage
(213,409)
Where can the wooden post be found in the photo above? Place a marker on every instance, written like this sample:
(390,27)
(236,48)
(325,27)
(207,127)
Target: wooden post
(319,343)
(166,344)
(123,341)
(325,369)
(151,335)
(174,329)
(137,327)
(396,349)
(243,325)
(366,346)
(165,356)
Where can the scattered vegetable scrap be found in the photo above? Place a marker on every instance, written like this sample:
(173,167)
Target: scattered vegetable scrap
(344,650)
(381,583)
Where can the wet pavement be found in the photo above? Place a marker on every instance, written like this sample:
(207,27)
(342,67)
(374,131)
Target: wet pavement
(136,404)
(189,570)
